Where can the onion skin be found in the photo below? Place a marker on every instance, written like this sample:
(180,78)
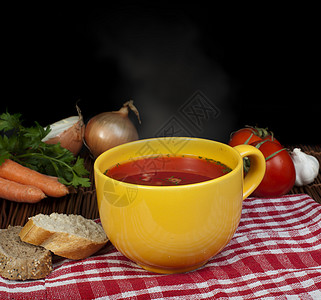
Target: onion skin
(109,129)
(71,138)
(99,140)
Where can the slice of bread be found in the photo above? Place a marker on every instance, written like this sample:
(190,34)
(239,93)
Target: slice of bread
(70,236)
(22,261)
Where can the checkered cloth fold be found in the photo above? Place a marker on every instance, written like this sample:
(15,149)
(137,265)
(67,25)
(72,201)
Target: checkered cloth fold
(275,254)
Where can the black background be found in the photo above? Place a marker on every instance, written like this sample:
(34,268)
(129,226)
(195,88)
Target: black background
(258,65)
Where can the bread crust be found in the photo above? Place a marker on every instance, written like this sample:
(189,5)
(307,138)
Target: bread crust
(17,266)
(60,243)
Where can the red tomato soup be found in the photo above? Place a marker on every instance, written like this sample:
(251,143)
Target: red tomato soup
(167,170)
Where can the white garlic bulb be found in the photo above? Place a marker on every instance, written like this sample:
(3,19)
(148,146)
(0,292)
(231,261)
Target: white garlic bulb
(306,167)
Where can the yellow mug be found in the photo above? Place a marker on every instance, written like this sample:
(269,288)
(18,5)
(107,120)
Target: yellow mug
(175,229)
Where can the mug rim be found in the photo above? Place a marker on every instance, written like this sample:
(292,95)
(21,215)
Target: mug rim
(116,148)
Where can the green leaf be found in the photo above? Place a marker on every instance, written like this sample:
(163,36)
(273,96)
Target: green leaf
(4,155)
(35,134)
(25,146)
(9,122)
(80,181)
(79,167)
(9,143)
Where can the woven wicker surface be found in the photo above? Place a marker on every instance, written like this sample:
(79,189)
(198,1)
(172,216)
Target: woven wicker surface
(83,201)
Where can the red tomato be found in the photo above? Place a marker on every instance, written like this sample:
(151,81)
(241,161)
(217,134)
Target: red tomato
(279,176)
(250,135)
(244,136)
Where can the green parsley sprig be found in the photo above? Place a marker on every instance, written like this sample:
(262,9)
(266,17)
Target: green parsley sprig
(24,145)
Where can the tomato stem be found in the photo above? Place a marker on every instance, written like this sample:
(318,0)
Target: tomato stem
(260,144)
(261,132)
(273,154)
(247,141)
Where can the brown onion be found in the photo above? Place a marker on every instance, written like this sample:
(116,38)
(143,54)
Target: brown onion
(69,132)
(110,129)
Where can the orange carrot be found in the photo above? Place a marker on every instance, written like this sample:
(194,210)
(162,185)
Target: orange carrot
(49,185)
(18,192)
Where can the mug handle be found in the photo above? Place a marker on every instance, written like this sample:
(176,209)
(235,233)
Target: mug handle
(257,169)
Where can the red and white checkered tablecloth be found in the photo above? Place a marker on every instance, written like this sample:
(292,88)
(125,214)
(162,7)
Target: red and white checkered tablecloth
(275,254)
